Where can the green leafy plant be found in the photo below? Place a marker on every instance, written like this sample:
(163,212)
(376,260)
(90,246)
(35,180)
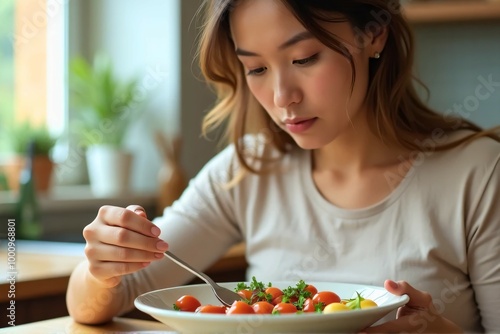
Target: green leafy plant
(105,105)
(22,134)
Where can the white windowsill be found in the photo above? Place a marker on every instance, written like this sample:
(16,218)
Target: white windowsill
(66,198)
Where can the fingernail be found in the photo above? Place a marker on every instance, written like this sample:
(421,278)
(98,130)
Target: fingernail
(155,230)
(139,211)
(161,245)
(159,255)
(393,284)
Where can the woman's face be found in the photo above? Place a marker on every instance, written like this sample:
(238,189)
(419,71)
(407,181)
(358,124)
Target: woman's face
(303,85)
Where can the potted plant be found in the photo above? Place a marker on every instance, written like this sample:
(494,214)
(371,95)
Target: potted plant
(105,107)
(20,136)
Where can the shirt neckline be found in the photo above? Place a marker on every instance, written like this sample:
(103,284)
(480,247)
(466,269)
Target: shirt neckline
(316,197)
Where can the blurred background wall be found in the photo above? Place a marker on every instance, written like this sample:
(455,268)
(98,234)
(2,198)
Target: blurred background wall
(452,60)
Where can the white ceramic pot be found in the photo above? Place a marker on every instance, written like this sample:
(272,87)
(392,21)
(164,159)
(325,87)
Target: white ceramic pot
(109,170)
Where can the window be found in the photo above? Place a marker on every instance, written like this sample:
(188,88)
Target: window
(32,75)
(6,68)
(44,35)
(32,65)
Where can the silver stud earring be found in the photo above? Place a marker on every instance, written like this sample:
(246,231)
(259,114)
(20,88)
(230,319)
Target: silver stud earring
(377,55)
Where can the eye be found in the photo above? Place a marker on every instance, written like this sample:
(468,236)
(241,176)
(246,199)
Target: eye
(306,61)
(257,71)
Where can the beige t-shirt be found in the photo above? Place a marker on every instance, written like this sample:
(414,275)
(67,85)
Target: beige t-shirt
(439,230)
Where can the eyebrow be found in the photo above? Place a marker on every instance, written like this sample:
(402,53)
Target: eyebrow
(301,36)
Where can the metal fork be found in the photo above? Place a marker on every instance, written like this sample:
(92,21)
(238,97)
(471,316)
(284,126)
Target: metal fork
(225,296)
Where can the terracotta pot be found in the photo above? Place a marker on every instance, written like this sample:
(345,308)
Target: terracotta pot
(42,171)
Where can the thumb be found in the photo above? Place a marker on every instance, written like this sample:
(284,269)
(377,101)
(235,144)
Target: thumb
(418,299)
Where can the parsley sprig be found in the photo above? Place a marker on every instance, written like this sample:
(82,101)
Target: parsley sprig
(298,294)
(258,290)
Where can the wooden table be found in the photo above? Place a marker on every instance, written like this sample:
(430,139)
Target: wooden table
(43,270)
(67,325)
(41,273)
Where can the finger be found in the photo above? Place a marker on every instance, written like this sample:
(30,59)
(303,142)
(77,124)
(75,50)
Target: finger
(418,299)
(105,271)
(139,210)
(117,236)
(128,219)
(108,253)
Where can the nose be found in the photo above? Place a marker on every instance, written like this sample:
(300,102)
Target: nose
(286,92)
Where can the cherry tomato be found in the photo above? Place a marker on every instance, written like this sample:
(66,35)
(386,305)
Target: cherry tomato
(274,292)
(277,300)
(282,308)
(326,297)
(336,307)
(263,308)
(308,306)
(247,294)
(240,307)
(312,289)
(211,309)
(367,303)
(187,303)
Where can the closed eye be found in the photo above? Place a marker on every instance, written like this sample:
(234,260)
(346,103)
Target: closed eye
(257,71)
(306,61)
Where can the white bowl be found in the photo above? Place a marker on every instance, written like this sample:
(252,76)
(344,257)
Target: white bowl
(159,304)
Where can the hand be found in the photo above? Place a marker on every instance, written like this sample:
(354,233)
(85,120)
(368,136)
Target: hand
(121,241)
(417,316)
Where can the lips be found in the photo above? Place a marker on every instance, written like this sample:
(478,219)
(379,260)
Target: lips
(297,120)
(299,125)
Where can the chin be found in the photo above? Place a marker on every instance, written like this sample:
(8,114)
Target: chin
(308,143)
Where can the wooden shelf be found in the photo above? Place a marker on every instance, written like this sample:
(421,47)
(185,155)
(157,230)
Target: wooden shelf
(453,11)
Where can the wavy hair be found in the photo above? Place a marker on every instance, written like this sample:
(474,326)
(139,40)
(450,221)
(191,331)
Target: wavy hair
(398,113)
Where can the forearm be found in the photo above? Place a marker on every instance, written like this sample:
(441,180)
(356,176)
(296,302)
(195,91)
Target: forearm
(90,302)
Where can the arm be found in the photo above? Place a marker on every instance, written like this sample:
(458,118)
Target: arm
(122,249)
(119,242)
(483,240)
(482,229)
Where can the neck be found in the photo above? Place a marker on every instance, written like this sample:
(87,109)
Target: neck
(356,150)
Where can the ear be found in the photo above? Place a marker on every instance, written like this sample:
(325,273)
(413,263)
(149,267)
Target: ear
(377,40)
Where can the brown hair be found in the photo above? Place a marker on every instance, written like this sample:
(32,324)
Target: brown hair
(398,114)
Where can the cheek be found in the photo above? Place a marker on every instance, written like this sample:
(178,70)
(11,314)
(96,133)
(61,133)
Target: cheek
(333,84)
(261,92)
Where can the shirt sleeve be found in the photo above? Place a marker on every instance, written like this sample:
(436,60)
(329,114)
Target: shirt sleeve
(484,248)
(199,228)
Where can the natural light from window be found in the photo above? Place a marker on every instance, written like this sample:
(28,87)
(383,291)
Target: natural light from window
(6,69)
(32,73)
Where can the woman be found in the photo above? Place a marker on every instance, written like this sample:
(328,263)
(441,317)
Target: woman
(336,172)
